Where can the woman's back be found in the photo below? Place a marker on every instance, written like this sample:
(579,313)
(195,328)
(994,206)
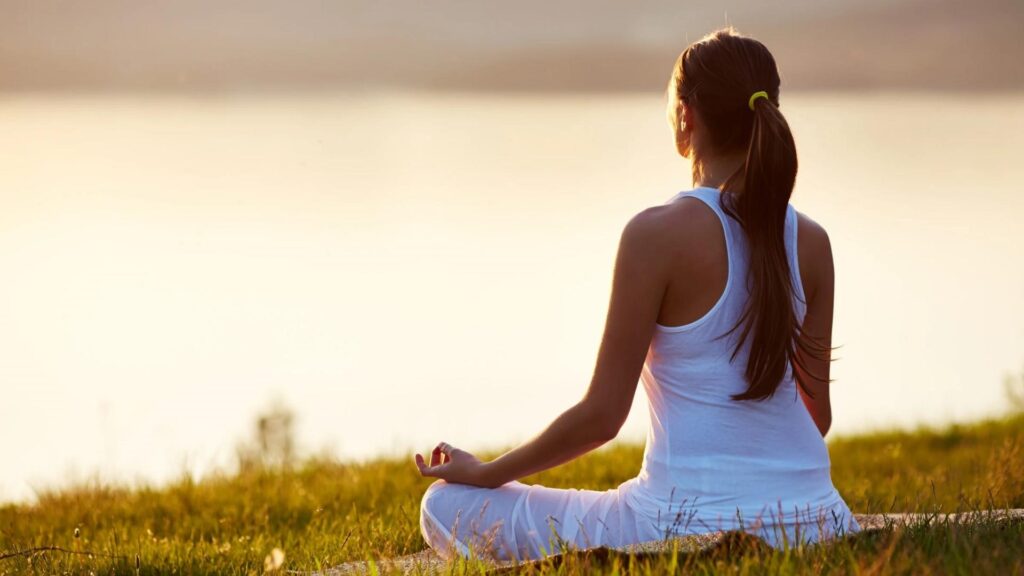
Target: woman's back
(710,460)
(712,317)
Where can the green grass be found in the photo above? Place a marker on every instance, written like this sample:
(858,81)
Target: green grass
(323,512)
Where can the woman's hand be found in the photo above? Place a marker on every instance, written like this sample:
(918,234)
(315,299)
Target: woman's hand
(455,465)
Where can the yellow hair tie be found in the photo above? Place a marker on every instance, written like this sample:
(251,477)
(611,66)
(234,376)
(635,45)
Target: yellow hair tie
(755,96)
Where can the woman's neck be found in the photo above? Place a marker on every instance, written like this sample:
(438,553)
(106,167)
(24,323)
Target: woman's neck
(713,172)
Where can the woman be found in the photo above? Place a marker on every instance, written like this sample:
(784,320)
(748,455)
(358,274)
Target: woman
(717,295)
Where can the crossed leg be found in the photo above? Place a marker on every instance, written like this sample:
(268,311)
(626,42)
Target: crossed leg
(516,521)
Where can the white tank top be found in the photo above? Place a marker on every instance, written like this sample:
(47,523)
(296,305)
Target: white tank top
(718,460)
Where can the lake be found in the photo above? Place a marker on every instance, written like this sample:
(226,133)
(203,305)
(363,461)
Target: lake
(405,268)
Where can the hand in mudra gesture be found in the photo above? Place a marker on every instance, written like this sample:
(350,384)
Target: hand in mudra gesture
(452,464)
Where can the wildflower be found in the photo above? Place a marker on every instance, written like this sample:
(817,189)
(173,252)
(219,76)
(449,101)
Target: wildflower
(274,560)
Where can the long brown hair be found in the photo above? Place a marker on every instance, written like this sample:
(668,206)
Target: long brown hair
(717,76)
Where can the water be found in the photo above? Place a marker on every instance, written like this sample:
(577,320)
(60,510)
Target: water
(408,268)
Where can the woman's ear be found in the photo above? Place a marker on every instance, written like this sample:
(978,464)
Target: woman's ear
(683,129)
(685,117)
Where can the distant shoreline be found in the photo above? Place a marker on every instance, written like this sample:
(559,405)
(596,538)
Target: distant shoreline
(931,45)
(385,91)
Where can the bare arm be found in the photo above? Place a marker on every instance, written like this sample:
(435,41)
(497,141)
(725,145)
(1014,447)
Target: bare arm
(638,285)
(818,274)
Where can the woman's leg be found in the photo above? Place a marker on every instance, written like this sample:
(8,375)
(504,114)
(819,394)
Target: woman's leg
(515,521)
(782,528)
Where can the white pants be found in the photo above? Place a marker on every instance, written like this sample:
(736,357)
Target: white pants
(519,521)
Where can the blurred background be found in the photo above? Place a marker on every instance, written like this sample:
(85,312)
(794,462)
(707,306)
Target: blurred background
(399,220)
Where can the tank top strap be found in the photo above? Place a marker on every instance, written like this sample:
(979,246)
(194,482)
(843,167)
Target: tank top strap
(736,246)
(731,228)
(791,227)
(735,241)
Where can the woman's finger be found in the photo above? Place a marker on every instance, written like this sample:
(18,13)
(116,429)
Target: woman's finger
(442,454)
(445,454)
(424,469)
(439,471)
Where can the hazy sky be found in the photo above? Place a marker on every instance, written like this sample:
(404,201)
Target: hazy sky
(196,45)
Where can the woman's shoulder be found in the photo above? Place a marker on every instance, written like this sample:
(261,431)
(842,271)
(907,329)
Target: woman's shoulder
(809,227)
(814,254)
(680,234)
(677,222)
(812,237)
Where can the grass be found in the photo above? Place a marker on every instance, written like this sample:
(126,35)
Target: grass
(324,512)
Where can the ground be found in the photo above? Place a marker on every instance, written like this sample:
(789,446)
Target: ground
(323,513)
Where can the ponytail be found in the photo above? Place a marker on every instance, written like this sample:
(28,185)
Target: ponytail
(739,79)
(769,174)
